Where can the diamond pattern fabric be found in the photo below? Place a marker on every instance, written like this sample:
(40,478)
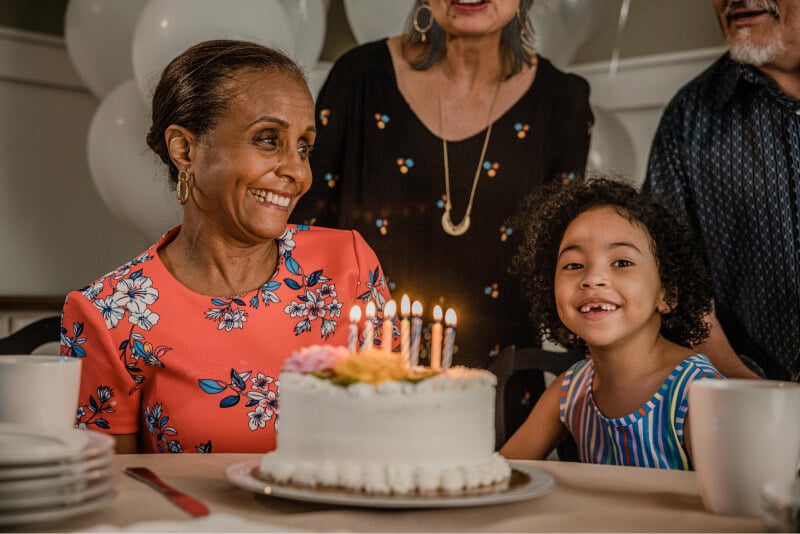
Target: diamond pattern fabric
(727,153)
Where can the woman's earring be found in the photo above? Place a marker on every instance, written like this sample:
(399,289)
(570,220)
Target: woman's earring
(182,188)
(424,6)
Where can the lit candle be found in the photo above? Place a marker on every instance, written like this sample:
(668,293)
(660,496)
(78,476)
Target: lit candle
(449,338)
(389,311)
(352,334)
(416,333)
(369,328)
(436,339)
(405,325)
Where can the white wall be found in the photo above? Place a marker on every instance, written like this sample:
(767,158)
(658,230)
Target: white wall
(56,234)
(640,89)
(652,27)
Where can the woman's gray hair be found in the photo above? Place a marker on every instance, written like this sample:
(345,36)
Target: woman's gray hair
(516,43)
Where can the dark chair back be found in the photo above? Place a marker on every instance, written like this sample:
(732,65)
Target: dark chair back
(27,339)
(520,382)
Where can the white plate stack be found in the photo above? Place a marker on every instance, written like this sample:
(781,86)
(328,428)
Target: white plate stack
(48,474)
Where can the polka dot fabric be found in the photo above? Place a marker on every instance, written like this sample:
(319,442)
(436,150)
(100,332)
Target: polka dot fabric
(391,184)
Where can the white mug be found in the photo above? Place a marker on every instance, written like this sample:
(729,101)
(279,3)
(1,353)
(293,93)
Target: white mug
(39,390)
(743,433)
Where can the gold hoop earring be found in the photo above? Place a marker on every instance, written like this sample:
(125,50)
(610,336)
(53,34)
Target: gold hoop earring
(419,29)
(182,187)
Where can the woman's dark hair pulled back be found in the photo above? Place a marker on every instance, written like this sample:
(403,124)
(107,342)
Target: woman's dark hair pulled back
(194,89)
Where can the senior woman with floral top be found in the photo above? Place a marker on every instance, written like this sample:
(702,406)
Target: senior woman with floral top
(182,346)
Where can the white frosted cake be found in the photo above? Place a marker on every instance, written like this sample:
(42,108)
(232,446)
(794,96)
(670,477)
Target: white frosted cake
(366,422)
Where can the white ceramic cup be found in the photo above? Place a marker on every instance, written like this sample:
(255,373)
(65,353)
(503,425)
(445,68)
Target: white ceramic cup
(743,433)
(39,390)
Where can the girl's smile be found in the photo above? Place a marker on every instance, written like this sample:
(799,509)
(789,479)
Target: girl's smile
(607,284)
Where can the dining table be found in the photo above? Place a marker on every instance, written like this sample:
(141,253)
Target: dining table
(583,497)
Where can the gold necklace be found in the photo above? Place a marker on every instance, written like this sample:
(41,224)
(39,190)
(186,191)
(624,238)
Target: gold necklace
(447,223)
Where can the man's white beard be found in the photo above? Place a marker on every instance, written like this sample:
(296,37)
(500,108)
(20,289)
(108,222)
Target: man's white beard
(745,51)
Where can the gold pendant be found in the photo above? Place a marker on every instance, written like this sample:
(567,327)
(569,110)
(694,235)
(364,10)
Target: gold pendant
(454,229)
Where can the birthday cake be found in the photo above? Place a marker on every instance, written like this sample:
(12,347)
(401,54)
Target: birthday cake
(367,422)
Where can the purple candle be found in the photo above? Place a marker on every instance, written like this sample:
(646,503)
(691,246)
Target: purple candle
(449,338)
(416,332)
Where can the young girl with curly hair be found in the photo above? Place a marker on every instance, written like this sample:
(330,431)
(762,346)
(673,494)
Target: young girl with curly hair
(614,273)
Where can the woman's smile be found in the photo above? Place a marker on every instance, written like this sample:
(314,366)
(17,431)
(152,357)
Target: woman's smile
(280,200)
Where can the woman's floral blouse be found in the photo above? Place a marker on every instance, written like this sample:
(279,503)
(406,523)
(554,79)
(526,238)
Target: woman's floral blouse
(195,373)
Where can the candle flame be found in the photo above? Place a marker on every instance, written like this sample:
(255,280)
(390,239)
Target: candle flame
(437,313)
(450,317)
(416,308)
(355,313)
(405,305)
(390,309)
(370,310)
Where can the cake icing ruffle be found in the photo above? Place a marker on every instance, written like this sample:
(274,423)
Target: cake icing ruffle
(374,478)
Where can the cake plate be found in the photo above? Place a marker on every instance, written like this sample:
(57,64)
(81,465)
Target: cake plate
(526,483)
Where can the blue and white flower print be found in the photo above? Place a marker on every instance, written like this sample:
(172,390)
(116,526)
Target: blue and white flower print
(90,414)
(156,423)
(262,395)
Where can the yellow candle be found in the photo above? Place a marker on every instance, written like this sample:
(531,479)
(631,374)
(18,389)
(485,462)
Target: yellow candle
(449,338)
(369,328)
(387,335)
(405,328)
(436,339)
(352,334)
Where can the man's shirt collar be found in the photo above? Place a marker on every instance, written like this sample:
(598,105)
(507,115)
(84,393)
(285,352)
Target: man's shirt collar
(733,74)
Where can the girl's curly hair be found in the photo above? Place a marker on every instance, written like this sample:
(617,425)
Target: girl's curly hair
(681,260)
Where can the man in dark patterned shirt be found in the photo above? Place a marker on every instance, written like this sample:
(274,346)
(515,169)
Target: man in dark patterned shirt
(727,152)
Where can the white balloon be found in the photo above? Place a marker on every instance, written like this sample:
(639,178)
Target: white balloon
(98,35)
(168,27)
(561,27)
(579,15)
(130,178)
(375,19)
(611,148)
(317,77)
(307,18)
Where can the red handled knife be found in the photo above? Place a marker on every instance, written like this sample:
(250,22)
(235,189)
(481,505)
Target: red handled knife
(187,502)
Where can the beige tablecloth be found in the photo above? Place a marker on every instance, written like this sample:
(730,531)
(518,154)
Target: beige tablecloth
(586,498)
